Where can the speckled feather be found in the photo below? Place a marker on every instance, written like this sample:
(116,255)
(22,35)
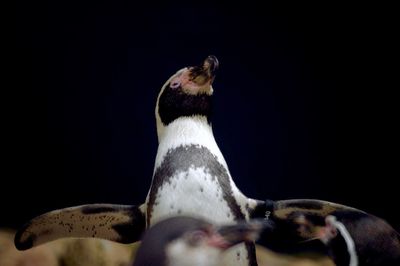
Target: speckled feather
(118,223)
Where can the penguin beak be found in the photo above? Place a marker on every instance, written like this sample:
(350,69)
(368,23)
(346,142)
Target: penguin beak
(211,65)
(230,235)
(205,72)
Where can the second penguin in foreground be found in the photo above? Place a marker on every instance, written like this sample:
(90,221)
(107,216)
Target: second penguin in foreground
(186,241)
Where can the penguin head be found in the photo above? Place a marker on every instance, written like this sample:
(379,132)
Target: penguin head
(296,226)
(185,240)
(296,232)
(187,93)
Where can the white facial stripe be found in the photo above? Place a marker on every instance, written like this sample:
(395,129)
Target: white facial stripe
(347,238)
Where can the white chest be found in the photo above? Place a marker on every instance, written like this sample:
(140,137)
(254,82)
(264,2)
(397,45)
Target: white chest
(196,193)
(191,178)
(192,192)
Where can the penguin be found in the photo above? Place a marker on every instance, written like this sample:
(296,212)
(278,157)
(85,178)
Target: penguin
(189,241)
(348,235)
(190,177)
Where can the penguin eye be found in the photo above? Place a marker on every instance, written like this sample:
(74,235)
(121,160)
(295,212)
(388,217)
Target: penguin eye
(174,84)
(196,237)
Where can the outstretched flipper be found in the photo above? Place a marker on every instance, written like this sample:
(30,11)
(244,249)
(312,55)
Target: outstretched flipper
(119,223)
(285,209)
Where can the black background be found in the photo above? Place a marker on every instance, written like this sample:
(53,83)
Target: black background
(305,107)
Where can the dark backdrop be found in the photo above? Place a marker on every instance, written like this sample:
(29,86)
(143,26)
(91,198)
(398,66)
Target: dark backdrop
(303,109)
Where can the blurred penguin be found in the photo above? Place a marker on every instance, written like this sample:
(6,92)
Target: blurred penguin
(188,241)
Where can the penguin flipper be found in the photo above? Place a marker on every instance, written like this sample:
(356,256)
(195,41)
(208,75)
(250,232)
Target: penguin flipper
(119,223)
(284,208)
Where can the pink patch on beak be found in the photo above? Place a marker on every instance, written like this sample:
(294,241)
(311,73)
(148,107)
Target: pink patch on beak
(218,241)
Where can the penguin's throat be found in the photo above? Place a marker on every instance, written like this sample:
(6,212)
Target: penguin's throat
(186,130)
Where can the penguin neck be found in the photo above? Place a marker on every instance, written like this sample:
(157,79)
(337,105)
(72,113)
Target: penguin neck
(185,128)
(183,131)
